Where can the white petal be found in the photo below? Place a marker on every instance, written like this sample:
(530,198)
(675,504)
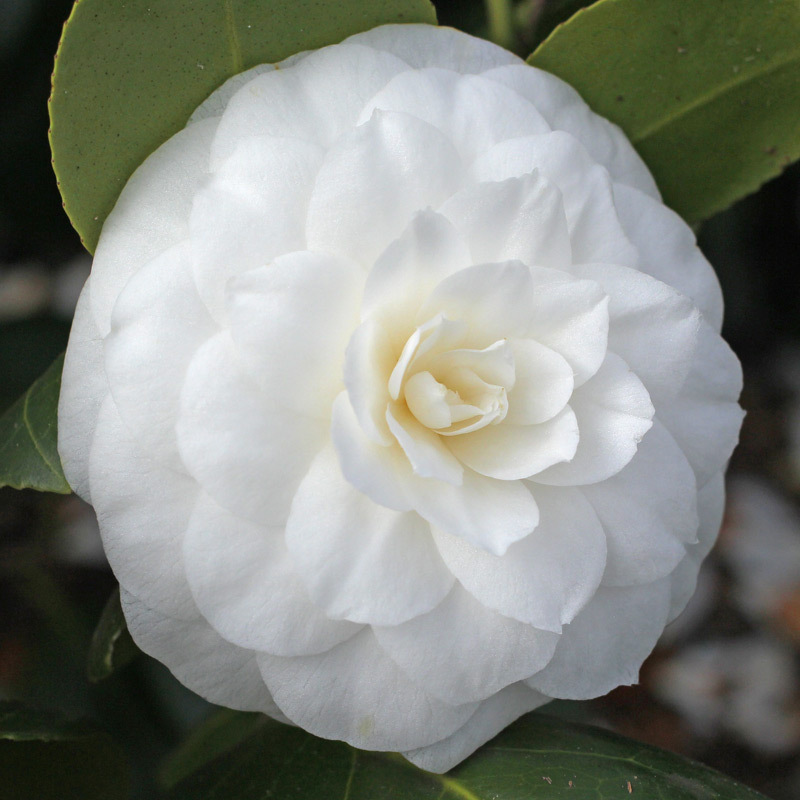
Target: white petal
(605,645)
(83,387)
(315,98)
(510,452)
(216,103)
(705,416)
(614,413)
(290,322)
(586,188)
(372,182)
(668,250)
(545,579)
(143,509)
(151,214)
(462,651)
(428,46)
(248,453)
(489,513)
(355,692)
(252,210)
(565,110)
(370,358)
(571,317)
(648,510)
(360,561)
(157,326)
(379,471)
(514,219)
(493,714)
(493,299)
(428,251)
(543,386)
(247,587)
(648,317)
(448,101)
(710,507)
(200,658)
(426,452)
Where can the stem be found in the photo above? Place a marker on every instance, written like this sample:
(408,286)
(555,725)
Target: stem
(501,22)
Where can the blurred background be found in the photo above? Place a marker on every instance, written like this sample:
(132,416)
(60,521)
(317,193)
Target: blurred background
(724,684)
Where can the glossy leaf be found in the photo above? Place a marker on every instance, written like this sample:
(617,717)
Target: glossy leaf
(707,91)
(28,437)
(129,73)
(214,736)
(43,757)
(111,647)
(537,758)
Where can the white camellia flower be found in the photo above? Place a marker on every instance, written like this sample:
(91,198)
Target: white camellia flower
(399,395)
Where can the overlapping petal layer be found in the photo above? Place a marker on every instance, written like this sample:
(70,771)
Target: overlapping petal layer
(399,395)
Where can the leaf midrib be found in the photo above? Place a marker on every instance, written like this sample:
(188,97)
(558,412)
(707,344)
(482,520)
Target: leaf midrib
(664,122)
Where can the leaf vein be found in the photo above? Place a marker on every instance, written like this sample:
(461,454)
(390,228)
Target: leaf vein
(719,91)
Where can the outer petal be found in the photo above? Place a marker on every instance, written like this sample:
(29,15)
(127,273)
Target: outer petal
(151,214)
(511,452)
(462,651)
(492,716)
(143,509)
(357,693)
(614,413)
(447,100)
(705,416)
(604,646)
(586,188)
(315,98)
(245,584)
(565,110)
(545,579)
(648,317)
(290,324)
(514,219)
(648,510)
(372,182)
(668,250)
(83,388)
(360,561)
(248,453)
(252,210)
(157,326)
(429,46)
(200,658)
(711,507)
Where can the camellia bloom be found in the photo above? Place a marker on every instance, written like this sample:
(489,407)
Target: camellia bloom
(399,395)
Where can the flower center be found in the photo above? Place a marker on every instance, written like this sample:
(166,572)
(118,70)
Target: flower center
(450,389)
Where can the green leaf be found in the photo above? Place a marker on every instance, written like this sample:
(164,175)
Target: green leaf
(28,437)
(111,647)
(537,758)
(217,734)
(44,757)
(129,73)
(707,91)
